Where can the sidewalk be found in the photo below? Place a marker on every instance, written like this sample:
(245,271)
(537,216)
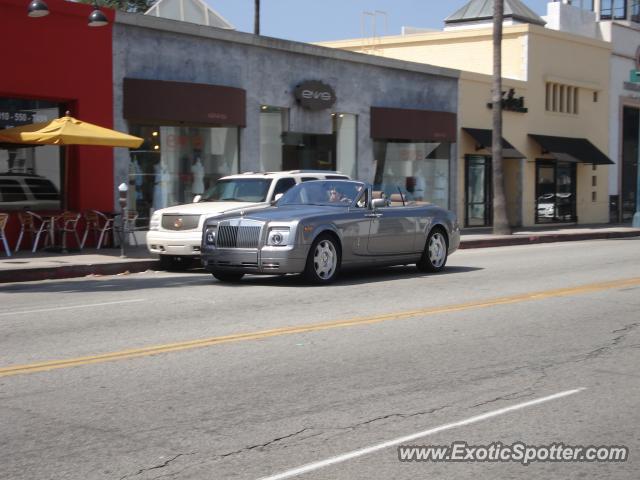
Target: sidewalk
(482,238)
(27,266)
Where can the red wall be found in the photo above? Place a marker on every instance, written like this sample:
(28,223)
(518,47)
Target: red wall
(60,58)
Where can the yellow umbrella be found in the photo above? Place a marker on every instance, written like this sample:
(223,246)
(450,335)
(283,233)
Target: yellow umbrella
(68,131)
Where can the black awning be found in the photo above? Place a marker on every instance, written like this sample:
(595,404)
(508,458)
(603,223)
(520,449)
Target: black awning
(569,149)
(483,138)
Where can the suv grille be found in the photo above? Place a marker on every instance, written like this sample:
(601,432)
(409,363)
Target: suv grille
(230,236)
(180,222)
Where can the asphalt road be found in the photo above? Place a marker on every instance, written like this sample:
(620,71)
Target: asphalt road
(168,375)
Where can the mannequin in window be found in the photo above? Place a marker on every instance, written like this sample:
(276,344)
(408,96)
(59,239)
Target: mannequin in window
(161,186)
(197,171)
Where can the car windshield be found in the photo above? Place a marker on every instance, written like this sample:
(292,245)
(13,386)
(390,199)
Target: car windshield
(322,192)
(238,190)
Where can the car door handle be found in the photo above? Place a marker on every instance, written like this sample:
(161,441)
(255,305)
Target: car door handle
(373,215)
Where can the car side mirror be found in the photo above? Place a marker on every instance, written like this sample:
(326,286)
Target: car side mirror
(378,203)
(197,198)
(277,197)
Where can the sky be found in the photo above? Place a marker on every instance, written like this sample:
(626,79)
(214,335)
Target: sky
(319,20)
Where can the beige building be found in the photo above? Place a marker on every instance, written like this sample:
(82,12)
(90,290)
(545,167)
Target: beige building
(555,121)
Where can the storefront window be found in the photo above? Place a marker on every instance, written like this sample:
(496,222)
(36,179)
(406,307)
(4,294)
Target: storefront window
(613,10)
(345,128)
(174,164)
(555,192)
(30,177)
(635,11)
(273,123)
(281,149)
(421,170)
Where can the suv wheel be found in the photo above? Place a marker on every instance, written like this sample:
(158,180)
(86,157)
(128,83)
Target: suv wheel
(175,262)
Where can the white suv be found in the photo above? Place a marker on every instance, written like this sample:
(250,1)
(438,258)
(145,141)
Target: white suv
(175,233)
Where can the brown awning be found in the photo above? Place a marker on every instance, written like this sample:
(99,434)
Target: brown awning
(484,139)
(570,149)
(161,102)
(414,125)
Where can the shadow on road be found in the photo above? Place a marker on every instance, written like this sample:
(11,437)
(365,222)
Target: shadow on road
(159,280)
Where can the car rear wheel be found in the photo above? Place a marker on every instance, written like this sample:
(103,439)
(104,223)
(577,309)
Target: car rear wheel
(229,277)
(323,262)
(434,256)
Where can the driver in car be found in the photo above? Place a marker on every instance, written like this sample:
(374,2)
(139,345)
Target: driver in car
(335,196)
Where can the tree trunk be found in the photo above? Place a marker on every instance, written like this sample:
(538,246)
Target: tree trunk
(256,18)
(500,219)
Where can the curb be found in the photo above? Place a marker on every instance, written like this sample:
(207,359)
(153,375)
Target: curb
(73,271)
(548,238)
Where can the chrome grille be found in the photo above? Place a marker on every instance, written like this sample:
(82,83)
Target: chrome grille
(240,236)
(180,222)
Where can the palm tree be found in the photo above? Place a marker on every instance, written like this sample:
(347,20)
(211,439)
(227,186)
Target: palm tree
(256,18)
(500,219)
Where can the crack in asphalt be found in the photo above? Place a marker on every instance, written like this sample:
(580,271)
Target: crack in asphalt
(622,334)
(321,431)
(263,445)
(614,342)
(391,415)
(155,467)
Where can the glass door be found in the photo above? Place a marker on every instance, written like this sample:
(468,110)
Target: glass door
(555,192)
(478,197)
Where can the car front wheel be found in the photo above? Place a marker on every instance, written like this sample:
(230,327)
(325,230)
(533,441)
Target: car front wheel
(434,256)
(228,277)
(323,262)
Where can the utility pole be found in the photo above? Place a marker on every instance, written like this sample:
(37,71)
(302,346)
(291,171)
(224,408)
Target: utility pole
(256,18)
(500,219)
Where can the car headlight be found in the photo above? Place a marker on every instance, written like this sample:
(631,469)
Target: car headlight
(278,236)
(210,235)
(154,223)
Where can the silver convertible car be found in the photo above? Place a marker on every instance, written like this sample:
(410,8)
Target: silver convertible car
(318,228)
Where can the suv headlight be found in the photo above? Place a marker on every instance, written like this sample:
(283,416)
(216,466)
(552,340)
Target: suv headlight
(278,236)
(210,235)
(154,223)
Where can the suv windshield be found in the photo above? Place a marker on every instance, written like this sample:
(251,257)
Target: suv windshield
(330,193)
(238,190)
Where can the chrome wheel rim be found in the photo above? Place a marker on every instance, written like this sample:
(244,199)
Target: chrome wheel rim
(437,250)
(325,259)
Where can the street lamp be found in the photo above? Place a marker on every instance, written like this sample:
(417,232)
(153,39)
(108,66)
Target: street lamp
(97,18)
(37,8)
(122,199)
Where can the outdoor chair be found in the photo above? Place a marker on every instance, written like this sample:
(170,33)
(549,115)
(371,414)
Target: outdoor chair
(131,216)
(35,226)
(68,223)
(4,218)
(100,224)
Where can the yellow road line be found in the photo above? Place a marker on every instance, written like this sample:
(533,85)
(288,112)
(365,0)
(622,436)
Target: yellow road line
(314,327)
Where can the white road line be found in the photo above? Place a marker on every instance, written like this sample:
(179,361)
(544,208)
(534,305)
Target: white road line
(71,307)
(409,438)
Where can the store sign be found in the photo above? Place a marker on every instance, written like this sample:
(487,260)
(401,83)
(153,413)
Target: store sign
(10,119)
(511,103)
(315,95)
(634,75)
